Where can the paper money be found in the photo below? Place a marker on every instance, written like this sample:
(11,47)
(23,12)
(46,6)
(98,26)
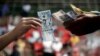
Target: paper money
(72,14)
(62,16)
(47,30)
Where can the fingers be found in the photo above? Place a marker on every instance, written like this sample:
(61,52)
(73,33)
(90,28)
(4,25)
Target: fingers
(31,22)
(35,23)
(32,26)
(80,16)
(32,18)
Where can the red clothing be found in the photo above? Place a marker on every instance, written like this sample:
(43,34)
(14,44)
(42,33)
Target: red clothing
(65,35)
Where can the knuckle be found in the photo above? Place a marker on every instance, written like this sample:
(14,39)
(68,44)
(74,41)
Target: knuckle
(24,18)
(23,21)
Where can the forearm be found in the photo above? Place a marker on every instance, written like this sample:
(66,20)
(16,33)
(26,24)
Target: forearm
(6,39)
(22,27)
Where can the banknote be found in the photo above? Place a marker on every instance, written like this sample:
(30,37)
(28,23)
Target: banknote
(47,29)
(72,14)
(63,16)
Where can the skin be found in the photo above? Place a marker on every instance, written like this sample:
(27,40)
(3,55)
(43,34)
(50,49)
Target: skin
(23,26)
(83,25)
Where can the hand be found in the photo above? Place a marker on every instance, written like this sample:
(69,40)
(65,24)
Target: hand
(25,24)
(83,24)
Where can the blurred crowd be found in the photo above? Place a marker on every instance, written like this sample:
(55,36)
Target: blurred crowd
(31,44)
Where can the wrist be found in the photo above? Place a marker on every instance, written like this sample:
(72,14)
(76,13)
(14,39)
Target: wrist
(15,33)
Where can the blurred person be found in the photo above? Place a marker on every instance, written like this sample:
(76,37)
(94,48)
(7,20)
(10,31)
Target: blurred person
(75,51)
(48,49)
(3,53)
(13,21)
(21,45)
(23,26)
(34,38)
(64,35)
(15,51)
(64,39)
(38,48)
(3,24)
(3,30)
(28,49)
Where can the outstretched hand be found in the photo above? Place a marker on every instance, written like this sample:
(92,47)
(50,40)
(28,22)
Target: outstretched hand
(25,24)
(83,24)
